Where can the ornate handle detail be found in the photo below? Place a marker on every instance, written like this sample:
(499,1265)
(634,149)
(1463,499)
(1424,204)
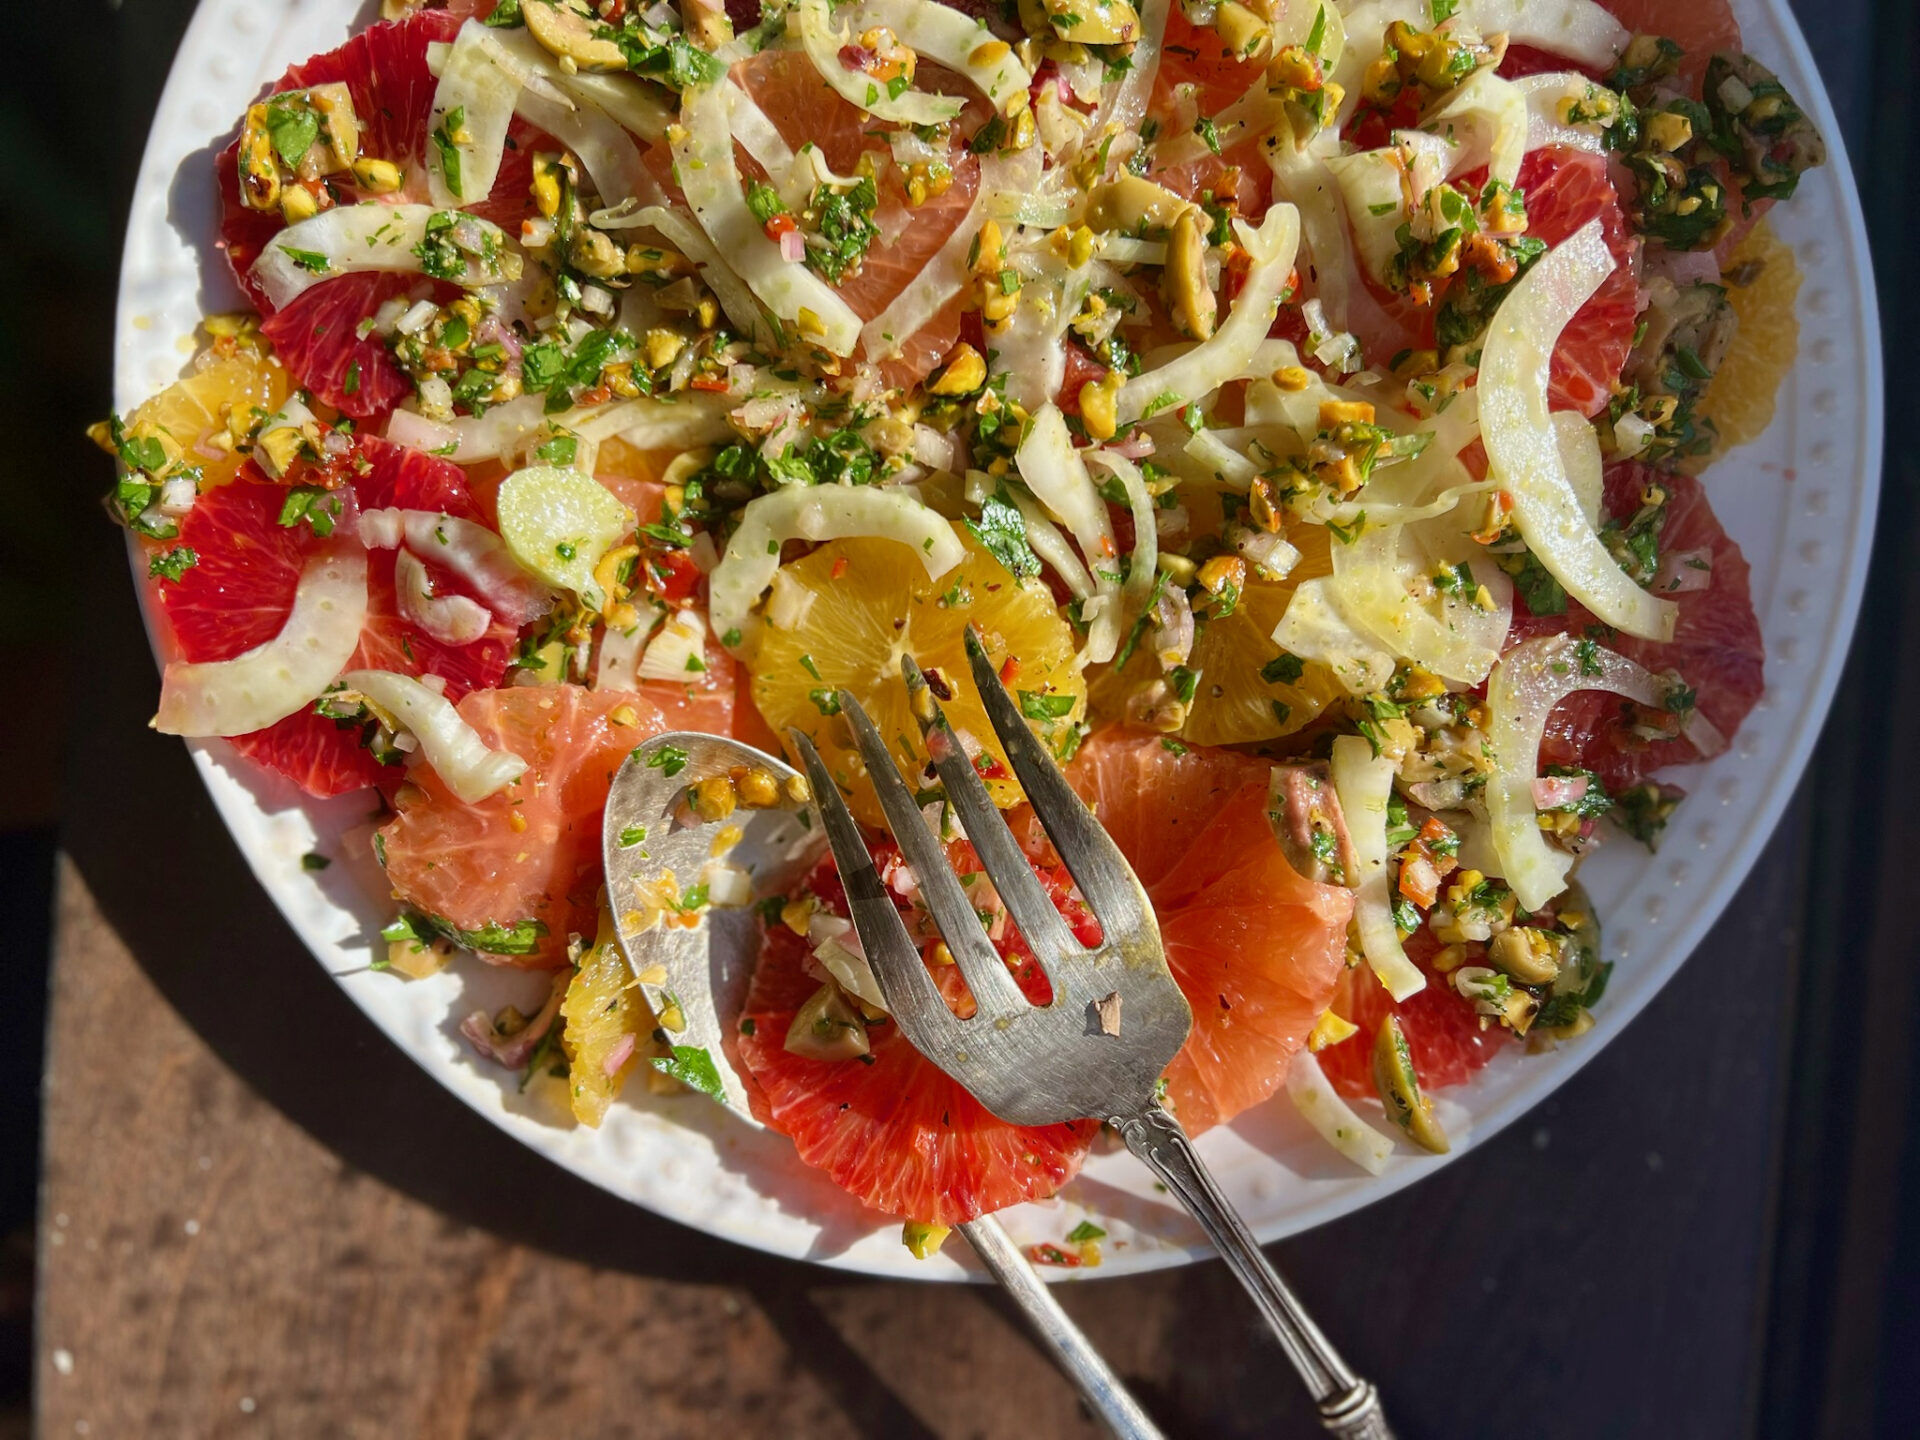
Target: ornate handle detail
(1349,1406)
(1071,1349)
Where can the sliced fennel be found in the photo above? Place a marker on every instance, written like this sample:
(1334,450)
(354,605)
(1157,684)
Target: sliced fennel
(1579,449)
(1523,452)
(1364,783)
(1316,627)
(1580,30)
(276,679)
(817,513)
(1529,681)
(1327,1111)
(703,157)
(677,651)
(450,619)
(1545,96)
(952,39)
(478,88)
(1225,355)
(451,746)
(1058,478)
(1485,118)
(559,523)
(373,236)
(1374,190)
(824,41)
(469,549)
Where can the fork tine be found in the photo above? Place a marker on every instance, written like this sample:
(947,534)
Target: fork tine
(912,997)
(1006,864)
(1106,881)
(994,990)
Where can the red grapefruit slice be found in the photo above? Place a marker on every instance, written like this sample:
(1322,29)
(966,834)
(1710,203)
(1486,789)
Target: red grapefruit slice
(1256,948)
(531,852)
(1442,1029)
(897,1133)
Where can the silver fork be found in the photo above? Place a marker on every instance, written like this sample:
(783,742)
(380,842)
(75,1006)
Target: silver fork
(1117,1016)
(700,972)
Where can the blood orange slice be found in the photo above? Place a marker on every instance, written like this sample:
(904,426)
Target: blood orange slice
(893,1130)
(1716,648)
(1442,1029)
(527,858)
(317,338)
(385,68)
(1566,189)
(240,591)
(1256,948)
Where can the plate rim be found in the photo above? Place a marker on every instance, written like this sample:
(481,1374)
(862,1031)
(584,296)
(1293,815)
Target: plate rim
(1735,859)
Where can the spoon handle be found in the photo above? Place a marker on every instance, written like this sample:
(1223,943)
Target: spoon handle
(1072,1351)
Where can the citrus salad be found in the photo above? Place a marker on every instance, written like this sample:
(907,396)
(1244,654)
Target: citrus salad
(1301,398)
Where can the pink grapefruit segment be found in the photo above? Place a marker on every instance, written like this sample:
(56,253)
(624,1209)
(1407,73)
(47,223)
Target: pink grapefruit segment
(532,851)
(898,1133)
(1256,948)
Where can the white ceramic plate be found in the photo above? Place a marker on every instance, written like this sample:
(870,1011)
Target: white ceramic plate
(1800,502)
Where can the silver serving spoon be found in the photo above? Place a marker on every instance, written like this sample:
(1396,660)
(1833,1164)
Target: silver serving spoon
(703,972)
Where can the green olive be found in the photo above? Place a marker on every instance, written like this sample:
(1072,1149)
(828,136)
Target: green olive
(1399,1086)
(568,29)
(1185,277)
(827,1027)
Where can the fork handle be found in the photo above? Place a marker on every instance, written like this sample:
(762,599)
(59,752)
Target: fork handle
(1072,1350)
(1349,1406)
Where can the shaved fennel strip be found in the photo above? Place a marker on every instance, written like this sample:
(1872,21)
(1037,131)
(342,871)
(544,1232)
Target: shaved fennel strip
(1057,476)
(1333,1119)
(944,276)
(1504,109)
(950,38)
(703,156)
(452,747)
(1522,450)
(761,139)
(285,674)
(603,144)
(470,550)
(1364,782)
(823,41)
(1138,585)
(372,236)
(740,303)
(1224,356)
(479,83)
(1529,681)
(817,512)
(1544,95)
(1126,104)
(450,619)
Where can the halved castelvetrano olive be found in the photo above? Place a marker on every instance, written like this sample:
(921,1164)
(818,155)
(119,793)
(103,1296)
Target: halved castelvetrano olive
(1399,1087)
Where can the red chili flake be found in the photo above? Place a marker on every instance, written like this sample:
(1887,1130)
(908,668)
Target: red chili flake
(598,395)
(1009,670)
(672,575)
(989,768)
(713,384)
(778,225)
(839,567)
(1048,1254)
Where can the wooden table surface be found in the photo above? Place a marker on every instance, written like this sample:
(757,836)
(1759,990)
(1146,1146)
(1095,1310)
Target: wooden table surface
(260,1219)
